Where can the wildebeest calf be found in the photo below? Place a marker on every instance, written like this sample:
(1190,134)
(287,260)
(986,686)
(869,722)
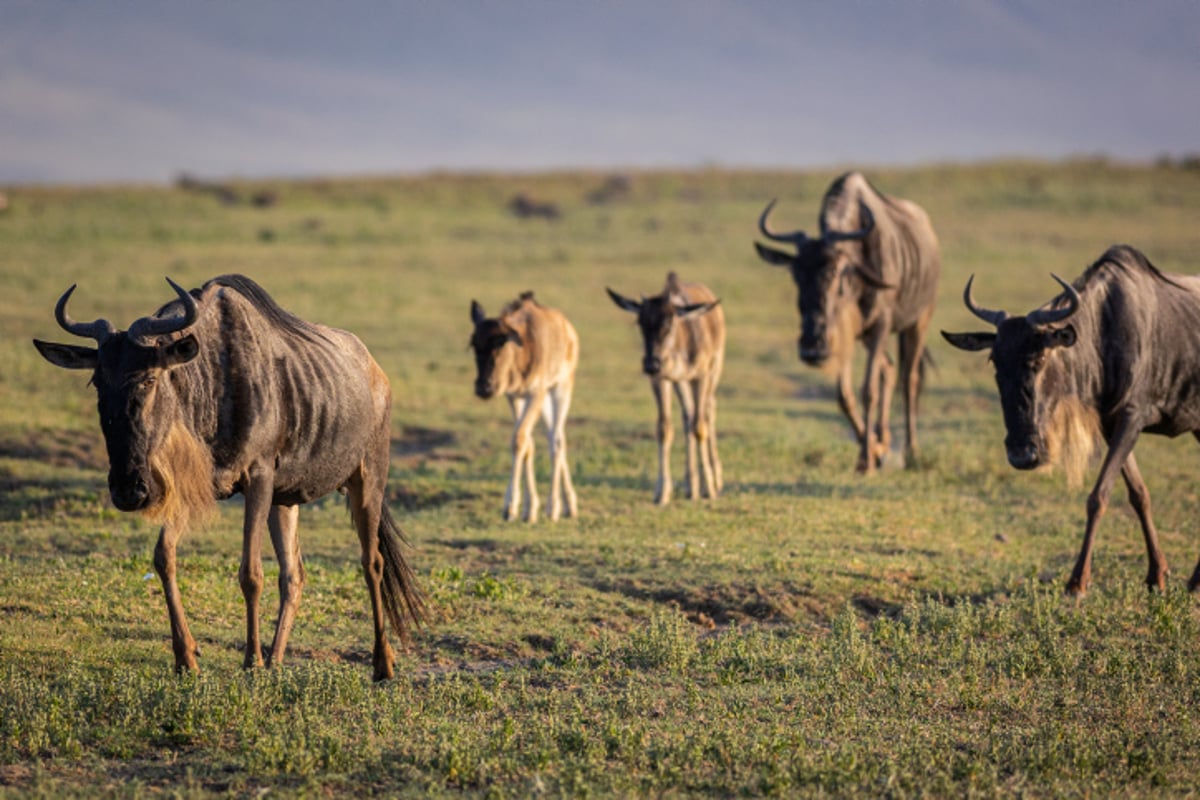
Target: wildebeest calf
(1113,355)
(222,391)
(683,333)
(529,353)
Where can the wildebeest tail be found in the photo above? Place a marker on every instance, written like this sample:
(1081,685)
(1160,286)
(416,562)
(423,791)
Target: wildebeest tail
(403,600)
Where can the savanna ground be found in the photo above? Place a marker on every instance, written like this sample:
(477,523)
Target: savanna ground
(808,633)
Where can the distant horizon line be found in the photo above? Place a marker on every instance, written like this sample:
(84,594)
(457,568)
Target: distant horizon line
(1165,160)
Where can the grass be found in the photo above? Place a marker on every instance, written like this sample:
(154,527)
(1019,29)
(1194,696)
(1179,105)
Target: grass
(808,633)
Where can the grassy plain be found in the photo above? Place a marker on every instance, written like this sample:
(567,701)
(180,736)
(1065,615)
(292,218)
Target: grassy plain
(808,633)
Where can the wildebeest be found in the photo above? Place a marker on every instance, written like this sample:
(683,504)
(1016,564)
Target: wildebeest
(873,271)
(221,391)
(528,353)
(683,333)
(1113,355)
(525,207)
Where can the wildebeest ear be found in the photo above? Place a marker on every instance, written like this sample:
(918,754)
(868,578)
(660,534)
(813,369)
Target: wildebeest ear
(1061,337)
(970,341)
(477,315)
(67,356)
(624,302)
(871,279)
(695,309)
(515,338)
(180,352)
(773,256)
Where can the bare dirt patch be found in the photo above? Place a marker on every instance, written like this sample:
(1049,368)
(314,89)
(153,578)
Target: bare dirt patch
(723,604)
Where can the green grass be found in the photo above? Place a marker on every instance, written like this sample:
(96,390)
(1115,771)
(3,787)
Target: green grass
(810,632)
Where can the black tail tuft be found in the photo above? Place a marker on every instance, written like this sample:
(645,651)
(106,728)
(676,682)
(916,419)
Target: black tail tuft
(401,597)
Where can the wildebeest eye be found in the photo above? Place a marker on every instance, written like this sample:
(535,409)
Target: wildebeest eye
(149,381)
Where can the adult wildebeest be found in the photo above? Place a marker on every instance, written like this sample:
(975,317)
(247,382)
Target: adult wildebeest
(683,331)
(222,391)
(1113,355)
(529,353)
(872,271)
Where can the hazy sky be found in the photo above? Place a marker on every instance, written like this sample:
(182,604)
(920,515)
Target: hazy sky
(141,90)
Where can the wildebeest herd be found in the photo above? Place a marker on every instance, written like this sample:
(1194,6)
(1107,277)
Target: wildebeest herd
(222,392)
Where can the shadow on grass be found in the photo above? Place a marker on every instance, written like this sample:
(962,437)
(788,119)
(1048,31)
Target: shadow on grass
(23,498)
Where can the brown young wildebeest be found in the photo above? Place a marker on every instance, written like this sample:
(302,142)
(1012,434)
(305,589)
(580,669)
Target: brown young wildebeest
(529,353)
(1113,355)
(221,391)
(873,271)
(683,331)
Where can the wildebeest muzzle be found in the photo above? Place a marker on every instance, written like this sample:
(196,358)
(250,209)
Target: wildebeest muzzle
(131,493)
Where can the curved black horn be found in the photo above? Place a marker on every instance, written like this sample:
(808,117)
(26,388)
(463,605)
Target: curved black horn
(796,237)
(99,330)
(865,218)
(985,314)
(1045,316)
(147,328)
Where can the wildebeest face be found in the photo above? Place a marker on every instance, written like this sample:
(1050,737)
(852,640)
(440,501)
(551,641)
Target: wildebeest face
(137,407)
(495,345)
(828,279)
(829,272)
(659,318)
(136,403)
(1021,348)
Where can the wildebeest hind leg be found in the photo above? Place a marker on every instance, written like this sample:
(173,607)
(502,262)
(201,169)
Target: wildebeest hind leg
(561,490)
(283,522)
(912,350)
(366,510)
(1139,498)
(164,564)
(703,433)
(887,386)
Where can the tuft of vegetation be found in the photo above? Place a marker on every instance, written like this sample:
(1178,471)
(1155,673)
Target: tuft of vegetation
(808,633)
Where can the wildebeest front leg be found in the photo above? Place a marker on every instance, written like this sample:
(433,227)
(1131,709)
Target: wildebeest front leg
(1139,498)
(525,414)
(250,573)
(164,564)
(1120,447)
(664,433)
(283,522)
(845,393)
(687,406)
(876,361)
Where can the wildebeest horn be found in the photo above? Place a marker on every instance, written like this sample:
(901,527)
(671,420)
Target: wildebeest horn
(865,217)
(985,314)
(796,237)
(1045,316)
(99,330)
(147,328)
